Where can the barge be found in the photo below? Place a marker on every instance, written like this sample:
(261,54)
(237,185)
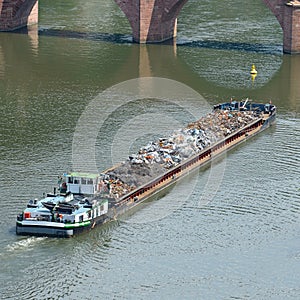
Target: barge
(83,200)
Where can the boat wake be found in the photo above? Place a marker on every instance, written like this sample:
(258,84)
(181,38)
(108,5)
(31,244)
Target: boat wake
(26,243)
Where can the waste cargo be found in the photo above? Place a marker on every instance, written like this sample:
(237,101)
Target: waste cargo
(85,200)
(151,160)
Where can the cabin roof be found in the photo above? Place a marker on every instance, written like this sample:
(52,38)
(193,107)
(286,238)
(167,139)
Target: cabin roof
(82,175)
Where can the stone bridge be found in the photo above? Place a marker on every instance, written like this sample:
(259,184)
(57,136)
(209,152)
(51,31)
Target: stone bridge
(156,20)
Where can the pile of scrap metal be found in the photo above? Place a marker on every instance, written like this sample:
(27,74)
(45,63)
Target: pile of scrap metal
(152,159)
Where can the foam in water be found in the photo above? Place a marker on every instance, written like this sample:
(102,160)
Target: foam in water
(24,243)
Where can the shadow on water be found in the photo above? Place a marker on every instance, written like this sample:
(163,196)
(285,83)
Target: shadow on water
(92,36)
(234,46)
(103,37)
(125,39)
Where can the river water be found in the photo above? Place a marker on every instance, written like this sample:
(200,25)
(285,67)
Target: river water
(229,231)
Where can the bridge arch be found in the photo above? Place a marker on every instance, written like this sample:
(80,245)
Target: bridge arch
(277,7)
(152,20)
(18,13)
(288,16)
(156,20)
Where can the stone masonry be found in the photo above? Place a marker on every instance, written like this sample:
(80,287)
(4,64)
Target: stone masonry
(15,14)
(291,29)
(288,16)
(156,20)
(152,20)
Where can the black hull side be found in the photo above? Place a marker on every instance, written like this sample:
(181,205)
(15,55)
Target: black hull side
(42,231)
(54,231)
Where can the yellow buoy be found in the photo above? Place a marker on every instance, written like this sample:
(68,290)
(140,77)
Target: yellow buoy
(253,70)
(253,76)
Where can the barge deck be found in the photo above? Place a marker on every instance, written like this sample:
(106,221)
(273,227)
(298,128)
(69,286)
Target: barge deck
(87,200)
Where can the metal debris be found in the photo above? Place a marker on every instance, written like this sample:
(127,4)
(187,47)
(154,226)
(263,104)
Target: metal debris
(153,159)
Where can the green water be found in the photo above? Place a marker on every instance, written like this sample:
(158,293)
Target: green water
(231,231)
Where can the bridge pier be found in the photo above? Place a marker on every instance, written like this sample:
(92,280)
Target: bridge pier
(152,21)
(291,28)
(155,21)
(15,14)
(288,16)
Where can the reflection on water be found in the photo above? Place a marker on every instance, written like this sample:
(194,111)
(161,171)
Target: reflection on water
(242,244)
(2,64)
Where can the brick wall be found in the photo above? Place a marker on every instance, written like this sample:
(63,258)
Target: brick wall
(155,20)
(291,29)
(288,16)
(277,7)
(152,20)
(17,13)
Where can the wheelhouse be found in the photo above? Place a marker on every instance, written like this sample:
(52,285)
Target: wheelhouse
(79,183)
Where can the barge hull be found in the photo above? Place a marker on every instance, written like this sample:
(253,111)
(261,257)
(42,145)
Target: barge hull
(151,188)
(43,231)
(58,229)
(139,195)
